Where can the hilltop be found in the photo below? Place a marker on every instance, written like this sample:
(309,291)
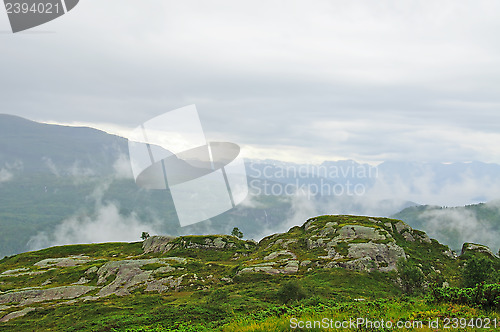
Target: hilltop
(168,281)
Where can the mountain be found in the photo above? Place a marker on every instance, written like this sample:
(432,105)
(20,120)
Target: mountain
(44,148)
(65,185)
(62,185)
(456,225)
(331,265)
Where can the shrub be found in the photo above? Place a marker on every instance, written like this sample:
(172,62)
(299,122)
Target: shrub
(291,291)
(483,295)
(411,276)
(477,270)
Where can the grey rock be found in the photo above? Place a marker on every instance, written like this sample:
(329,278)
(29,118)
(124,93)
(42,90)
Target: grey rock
(157,244)
(26,297)
(16,314)
(64,262)
(408,237)
(385,256)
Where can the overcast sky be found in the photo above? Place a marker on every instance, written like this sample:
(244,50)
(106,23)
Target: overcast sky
(293,80)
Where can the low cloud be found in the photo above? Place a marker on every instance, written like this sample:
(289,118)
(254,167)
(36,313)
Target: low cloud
(9,170)
(104,224)
(457,225)
(5,175)
(122,167)
(51,166)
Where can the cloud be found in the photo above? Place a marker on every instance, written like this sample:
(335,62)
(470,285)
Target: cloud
(106,224)
(51,166)
(9,170)
(402,80)
(122,167)
(457,226)
(5,175)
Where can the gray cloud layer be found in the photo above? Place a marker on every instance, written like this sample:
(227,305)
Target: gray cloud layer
(384,80)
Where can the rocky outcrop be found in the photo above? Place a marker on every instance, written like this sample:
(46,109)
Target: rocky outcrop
(64,261)
(129,275)
(29,296)
(157,244)
(477,248)
(165,244)
(16,314)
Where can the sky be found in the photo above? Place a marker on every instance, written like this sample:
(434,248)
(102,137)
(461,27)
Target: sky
(297,81)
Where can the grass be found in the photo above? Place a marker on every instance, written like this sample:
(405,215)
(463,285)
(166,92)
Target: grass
(250,302)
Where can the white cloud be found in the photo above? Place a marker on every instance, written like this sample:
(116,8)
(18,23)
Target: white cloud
(107,225)
(5,175)
(264,74)
(9,170)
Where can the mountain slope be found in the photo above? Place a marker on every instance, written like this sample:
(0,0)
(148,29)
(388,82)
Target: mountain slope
(173,281)
(456,225)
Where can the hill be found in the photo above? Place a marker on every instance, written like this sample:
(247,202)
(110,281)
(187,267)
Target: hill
(456,225)
(331,265)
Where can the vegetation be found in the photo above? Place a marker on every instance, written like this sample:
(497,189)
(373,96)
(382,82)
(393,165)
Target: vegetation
(477,270)
(236,232)
(412,277)
(209,292)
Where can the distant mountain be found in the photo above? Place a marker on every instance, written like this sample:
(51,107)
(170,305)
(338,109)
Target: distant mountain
(62,185)
(456,225)
(45,148)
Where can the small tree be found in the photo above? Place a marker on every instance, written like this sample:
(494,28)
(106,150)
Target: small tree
(412,277)
(144,235)
(236,232)
(477,270)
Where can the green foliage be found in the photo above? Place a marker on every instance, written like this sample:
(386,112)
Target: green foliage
(291,291)
(483,295)
(237,233)
(218,296)
(144,235)
(411,276)
(477,270)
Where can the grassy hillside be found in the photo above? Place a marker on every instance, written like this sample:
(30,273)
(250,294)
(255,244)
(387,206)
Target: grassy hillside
(325,268)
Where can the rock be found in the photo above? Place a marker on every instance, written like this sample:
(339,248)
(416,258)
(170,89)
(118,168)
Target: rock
(291,267)
(93,269)
(451,254)
(26,297)
(401,226)
(276,254)
(352,232)
(157,244)
(9,273)
(305,263)
(408,237)
(424,238)
(82,281)
(384,256)
(16,314)
(64,262)
(477,248)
